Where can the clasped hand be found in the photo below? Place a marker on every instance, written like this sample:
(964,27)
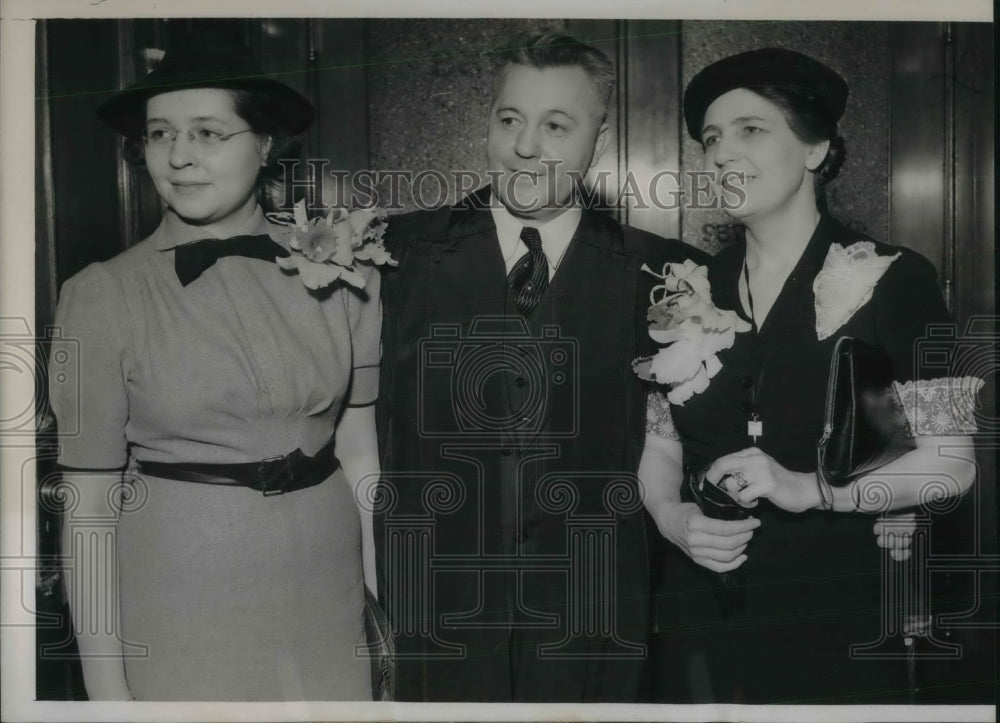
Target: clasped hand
(718,545)
(765,478)
(898,536)
(795,492)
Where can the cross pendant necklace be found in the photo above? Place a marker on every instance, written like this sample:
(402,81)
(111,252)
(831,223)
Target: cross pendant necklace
(755,425)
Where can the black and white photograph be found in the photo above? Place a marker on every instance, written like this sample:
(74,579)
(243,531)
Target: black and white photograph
(422,363)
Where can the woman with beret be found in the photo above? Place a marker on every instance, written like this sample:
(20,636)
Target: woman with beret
(766,609)
(225,419)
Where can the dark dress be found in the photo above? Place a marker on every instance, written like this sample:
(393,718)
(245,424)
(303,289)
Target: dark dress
(513,552)
(812,580)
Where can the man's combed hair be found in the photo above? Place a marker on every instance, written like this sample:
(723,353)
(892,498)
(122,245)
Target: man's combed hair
(553,50)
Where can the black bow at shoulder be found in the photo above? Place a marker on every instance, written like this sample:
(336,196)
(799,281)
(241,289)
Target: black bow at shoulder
(191,260)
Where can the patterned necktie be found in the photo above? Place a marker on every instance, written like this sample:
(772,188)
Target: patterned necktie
(530,276)
(191,260)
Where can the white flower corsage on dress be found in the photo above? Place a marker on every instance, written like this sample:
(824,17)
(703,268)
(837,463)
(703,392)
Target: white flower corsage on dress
(845,284)
(327,248)
(683,317)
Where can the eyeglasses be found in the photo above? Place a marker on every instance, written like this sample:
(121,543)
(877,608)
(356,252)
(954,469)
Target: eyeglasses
(204,139)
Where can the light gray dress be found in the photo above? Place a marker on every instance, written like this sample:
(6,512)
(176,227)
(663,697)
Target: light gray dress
(236,596)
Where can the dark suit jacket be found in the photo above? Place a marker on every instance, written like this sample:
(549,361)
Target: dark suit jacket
(511,539)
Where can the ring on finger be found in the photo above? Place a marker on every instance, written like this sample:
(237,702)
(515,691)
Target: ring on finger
(741,481)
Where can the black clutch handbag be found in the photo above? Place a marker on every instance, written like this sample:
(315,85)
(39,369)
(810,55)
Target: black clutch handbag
(864,427)
(713,500)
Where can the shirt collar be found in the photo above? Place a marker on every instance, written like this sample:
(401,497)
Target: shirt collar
(173,231)
(556,233)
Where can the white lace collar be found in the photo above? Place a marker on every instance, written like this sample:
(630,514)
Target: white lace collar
(845,283)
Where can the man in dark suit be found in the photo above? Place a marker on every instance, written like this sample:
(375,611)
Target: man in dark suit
(512,545)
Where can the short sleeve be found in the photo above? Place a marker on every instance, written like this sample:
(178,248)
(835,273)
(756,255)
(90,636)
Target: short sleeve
(908,304)
(659,421)
(92,414)
(914,326)
(365,314)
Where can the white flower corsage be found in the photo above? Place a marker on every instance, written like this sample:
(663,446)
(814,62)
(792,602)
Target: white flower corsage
(845,284)
(326,248)
(683,317)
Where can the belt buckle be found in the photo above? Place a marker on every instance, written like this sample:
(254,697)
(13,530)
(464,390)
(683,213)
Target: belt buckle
(271,469)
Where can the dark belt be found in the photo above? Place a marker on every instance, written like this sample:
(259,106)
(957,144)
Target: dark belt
(272,476)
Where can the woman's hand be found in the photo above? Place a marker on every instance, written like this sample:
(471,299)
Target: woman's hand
(89,581)
(718,545)
(358,455)
(761,477)
(897,536)
(106,682)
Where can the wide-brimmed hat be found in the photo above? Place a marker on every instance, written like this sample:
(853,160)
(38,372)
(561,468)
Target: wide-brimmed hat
(209,64)
(787,69)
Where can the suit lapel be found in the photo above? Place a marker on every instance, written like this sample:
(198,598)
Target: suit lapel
(588,310)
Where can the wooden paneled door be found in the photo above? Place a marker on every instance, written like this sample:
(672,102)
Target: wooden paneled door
(644,116)
(942,204)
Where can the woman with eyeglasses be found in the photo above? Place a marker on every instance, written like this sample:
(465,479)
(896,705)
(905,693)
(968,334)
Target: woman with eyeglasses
(226,419)
(766,609)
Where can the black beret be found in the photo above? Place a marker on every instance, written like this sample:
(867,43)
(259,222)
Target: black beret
(205,63)
(768,66)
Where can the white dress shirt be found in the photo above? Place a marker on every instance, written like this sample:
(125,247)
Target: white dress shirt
(556,235)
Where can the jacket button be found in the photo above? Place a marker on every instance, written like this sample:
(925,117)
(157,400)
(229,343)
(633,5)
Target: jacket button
(506,450)
(520,382)
(747,382)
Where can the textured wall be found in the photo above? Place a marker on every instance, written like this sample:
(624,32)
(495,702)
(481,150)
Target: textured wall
(429,86)
(858,51)
(429,93)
